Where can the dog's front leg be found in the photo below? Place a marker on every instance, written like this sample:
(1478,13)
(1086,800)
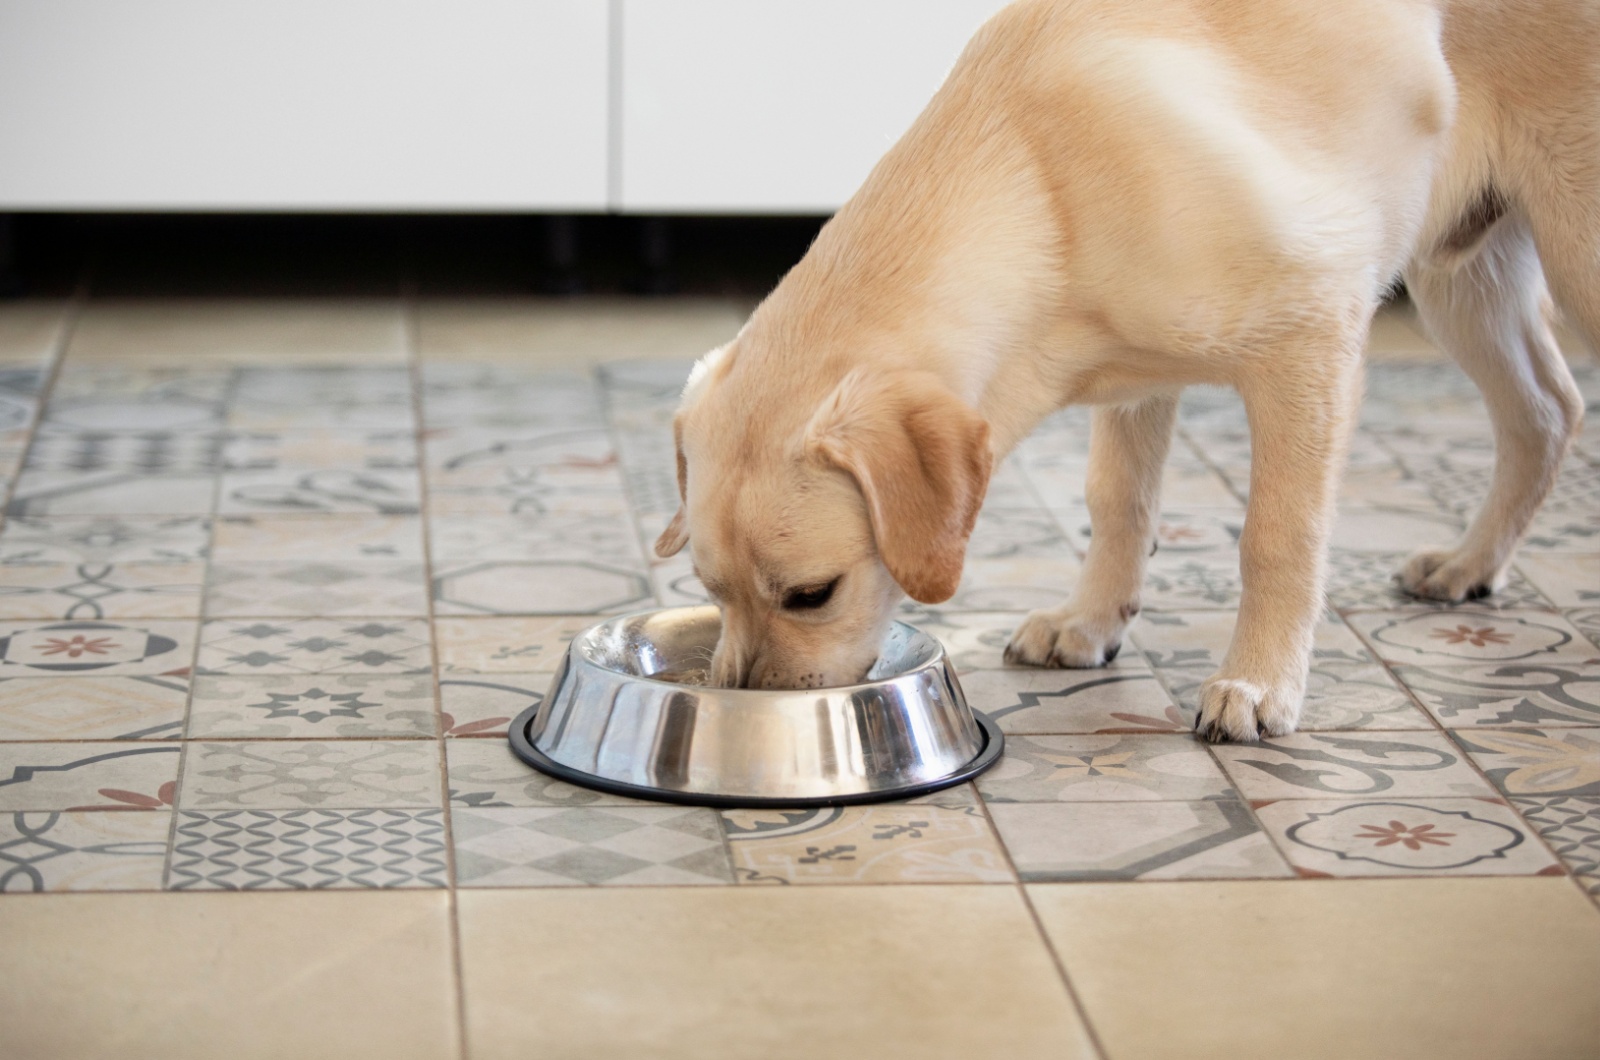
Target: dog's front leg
(1127,447)
(1300,420)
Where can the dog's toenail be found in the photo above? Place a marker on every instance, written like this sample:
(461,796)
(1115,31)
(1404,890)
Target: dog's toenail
(1477,592)
(1113,651)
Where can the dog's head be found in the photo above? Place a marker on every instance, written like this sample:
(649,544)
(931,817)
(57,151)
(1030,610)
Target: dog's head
(809,514)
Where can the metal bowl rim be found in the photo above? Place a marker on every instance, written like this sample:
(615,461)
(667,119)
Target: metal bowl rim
(938,658)
(994,742)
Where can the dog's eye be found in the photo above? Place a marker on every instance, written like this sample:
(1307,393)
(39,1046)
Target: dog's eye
(809,599)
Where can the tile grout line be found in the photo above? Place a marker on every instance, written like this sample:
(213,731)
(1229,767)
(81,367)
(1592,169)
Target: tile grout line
(409,308)
(1038,926)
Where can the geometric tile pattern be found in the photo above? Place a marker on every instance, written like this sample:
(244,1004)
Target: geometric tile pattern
(396,646)
(248,850)
(611,846)
(82,851)
(1572,828)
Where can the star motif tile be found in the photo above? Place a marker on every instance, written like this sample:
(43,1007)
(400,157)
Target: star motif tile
(315,646)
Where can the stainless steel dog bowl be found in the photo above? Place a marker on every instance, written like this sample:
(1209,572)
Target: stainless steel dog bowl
(620,717)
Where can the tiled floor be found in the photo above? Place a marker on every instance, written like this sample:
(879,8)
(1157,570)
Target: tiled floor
(274,577)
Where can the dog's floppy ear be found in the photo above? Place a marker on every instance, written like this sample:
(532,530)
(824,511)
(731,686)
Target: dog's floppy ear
(921,457)
(676,535)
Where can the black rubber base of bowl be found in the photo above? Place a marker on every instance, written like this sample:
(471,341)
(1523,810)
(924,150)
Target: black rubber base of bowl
(994,742)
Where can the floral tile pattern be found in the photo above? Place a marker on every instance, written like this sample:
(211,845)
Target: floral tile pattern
(310,774)
(268,575)
(93,708)
(1123,697)
(82,851)
(101,590)
(87,776)
(1103,769)
(1213,838)
(249,850)
(108,539)
(312,705)
(1311,765)
(295,590)
(1404,837)
(316,646)
(506,645)
(864,844)
(592,845)
(1535,761)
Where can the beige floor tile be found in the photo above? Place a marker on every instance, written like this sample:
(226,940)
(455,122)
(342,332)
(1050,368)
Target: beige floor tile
(888,973)
(237,976)
(549,332)
(268,331)
(29,330)
(506,645)
(1454,969)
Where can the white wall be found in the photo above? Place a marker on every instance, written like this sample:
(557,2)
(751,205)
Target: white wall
(564,105)
(774,105)
(303,104)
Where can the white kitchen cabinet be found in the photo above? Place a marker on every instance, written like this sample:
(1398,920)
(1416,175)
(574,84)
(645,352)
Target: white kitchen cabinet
(773,105)
(304,104)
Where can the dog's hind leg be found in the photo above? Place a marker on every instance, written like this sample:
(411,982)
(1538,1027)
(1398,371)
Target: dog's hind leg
(1490,312)
(1128,445)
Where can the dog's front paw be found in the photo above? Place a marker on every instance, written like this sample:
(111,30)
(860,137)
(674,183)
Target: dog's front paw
(1067,638)
(1435,574)
(1244,711)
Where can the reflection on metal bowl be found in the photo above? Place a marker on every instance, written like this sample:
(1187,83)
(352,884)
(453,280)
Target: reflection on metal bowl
(627,714)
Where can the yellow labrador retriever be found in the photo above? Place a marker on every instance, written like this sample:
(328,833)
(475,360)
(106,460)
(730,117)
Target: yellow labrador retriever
(1109,200)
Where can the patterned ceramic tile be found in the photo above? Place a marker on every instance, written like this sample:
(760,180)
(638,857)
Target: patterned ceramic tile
(1404,837)
(172,386)
(79,851)
(313,705)
(525,491)
(1464,638)
(329,491)
(1019,584)
(1346,689)
(1587,621)
(604,845)
(1572,828)
(1516,693)
(312,589)
(322,387)
(506,645)
(493,398)
(535,587)
(1186,482)
(864,844)
(1122,697)
(143,452)
(1179,581)
(1365,581)
(94,591)
(156,409)
(314,774)
(676,585)
(87,776)
(1557,531)
(1537,762)
(486,706)
(552,536)
(368,451)
(316,646)
(454,451)
(1311,765)
(92,708)
(1178,531)
(47,493)
(484,773)
(1207,839)
(1120,768)
(249,850)
(1378,529)
(105,539)
(1566,580)
(331,538)
(100,648)
(974,640)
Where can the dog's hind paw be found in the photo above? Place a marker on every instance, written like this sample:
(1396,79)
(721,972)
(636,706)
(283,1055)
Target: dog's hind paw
(1436,574)
(1244,711)
(1066,638)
